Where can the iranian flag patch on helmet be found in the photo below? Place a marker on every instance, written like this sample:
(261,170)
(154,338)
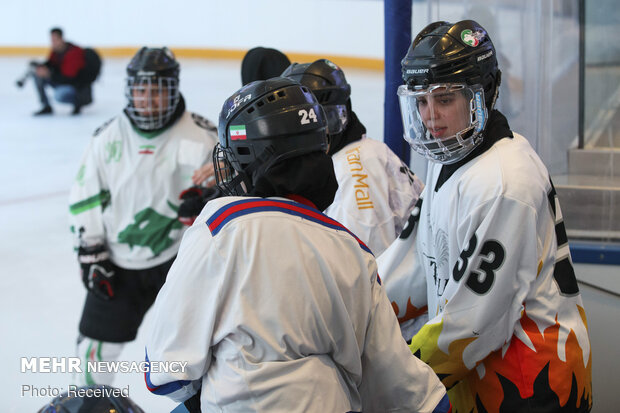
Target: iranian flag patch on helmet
(237,132)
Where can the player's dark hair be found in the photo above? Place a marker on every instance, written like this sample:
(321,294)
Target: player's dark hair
(56,30)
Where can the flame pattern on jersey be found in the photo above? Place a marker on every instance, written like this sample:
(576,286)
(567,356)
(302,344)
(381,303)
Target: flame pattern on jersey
(411,311)
(510,379)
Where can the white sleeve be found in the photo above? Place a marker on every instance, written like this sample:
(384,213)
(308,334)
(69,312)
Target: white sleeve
(182,323)
(404,190)
(392,376)
(88,197)
(403,280)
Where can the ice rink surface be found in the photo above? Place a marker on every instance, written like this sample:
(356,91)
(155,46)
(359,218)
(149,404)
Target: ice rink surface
(39,157)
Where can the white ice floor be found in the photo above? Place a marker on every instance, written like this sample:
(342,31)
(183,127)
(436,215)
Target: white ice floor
(41,294)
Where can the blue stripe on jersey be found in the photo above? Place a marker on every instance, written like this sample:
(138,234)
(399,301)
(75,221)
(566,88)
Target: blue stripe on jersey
(444,405)
(249,206)
(164,388)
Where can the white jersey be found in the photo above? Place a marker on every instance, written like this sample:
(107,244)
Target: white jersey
(506,321)
(126,193)
(275,307)
(376,192)
(396,266)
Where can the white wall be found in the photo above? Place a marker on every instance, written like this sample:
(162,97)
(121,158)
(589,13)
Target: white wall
(337,27)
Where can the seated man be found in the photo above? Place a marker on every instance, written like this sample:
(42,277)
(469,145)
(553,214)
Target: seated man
(64,70)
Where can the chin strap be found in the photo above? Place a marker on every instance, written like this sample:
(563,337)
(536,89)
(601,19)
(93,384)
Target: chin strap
(498,82)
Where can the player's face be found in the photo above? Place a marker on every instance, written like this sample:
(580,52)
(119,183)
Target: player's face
(444,112)
(150,99)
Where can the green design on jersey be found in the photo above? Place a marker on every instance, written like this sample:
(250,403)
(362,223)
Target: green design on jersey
(102,198)
(80,175)
(173,206)
(113,151)
(150,229)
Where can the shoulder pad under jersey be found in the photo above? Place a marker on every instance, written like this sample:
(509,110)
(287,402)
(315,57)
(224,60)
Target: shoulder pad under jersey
(102,127)
(204,123)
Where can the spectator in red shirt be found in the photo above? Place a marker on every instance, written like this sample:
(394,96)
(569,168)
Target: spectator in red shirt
(62,72)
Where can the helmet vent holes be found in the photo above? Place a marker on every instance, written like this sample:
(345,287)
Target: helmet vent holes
(305,89)
(251,137)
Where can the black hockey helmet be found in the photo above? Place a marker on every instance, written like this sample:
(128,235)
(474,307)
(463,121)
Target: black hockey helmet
(452,67)
(154,62)
(261,124)
(152,70)
(329,85)
(453,53)
(324,78)
(92,399)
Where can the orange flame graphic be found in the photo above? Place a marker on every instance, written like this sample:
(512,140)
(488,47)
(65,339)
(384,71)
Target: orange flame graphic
(411,312)
(522,366)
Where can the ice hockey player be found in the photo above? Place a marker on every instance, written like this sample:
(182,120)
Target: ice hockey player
(124,203)
(274,305)
(507,328)
(376,190)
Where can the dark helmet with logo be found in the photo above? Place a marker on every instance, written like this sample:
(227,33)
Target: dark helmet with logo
(453,53)
(261,124)
(328,83)
(152,88)
(447,59)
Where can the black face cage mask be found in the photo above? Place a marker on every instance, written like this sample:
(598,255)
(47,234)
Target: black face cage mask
(233,182)
(152,100)
(227,178)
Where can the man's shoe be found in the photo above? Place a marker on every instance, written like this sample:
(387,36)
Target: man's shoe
(76,110)
(47,110)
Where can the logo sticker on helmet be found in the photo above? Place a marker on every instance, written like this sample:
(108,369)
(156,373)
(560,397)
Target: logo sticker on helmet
(331,64)
(237,132)
(417,71)
(237,101)
(479,112)
(485,56)
(471,38)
